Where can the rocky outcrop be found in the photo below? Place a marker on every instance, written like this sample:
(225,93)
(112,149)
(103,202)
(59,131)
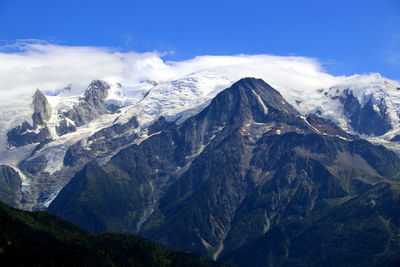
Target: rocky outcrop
(41,109)
(38,132)
(370,118)
(34,166)
(90,106)
(65,126)
(103,143)
(96,93)
(25,134)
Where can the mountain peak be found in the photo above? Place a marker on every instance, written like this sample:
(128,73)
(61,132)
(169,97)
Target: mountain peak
(97,92)
(41,108)
(38,93)
(250,80)
(266,97)
(255,84)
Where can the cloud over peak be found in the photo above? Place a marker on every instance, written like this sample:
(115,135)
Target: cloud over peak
(31,65)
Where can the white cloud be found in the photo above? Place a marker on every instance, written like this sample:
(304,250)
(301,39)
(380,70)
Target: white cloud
(32,65)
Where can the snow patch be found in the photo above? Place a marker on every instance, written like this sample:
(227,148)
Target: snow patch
(51,198)
(265,109)
(26,183)
(305,120)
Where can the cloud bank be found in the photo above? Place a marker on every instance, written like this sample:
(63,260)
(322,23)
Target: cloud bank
(50,67)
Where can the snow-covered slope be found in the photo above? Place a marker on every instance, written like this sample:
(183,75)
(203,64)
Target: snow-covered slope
(176,100)
(383,95)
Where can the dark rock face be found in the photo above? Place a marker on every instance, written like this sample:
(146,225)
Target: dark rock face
(25,133)
(229,177)
(91,105)
(96,93)
(327,126)
(41,109)
(356,233)
(10,186)
(76,155)
(34,166)
(93,179)
(160,125)
(365,119)
(65,127)
(101,143)
(395,138)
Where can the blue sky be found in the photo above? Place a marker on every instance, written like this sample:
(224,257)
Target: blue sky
(352,36)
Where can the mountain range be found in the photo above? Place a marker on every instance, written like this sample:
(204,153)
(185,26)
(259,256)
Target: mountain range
(234,171)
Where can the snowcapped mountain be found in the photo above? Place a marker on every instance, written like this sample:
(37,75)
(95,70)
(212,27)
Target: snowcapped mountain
(234,175)
(47,137)
(212,166)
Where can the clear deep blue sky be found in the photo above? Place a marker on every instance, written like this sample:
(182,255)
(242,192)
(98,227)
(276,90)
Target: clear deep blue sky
(353,36)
